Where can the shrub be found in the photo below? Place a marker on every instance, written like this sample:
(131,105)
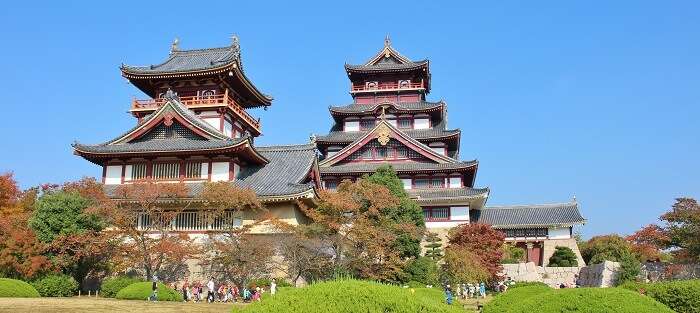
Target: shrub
(58,285)
(512,254)
(423,270)
(547,300)
(142,290)
(527,284)
(682,296)
(563,257)
(12,288)
(612,248)
(353,296)
(111,286)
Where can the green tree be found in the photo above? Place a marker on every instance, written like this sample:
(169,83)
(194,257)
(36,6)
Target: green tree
(512,254)
(423,270)
(433,246)
(63,213)
(683,228)
(612,248)
(463,265)
(407,212)
(563,257)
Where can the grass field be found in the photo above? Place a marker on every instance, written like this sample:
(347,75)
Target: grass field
(99,305)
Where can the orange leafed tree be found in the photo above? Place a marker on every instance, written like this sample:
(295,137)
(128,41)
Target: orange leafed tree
(483,241)
(649,242)
(141,216)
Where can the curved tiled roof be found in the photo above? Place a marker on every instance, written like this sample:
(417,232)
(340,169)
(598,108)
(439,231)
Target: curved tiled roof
(520,216)
(161,145)
(448,193)
(371,167)
(399,106)
(418,134)
(284,175)
(189,60)
(386,67)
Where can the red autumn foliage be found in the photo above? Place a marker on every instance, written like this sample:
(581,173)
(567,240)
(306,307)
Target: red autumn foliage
(648,242)
(21,254)
(482,240)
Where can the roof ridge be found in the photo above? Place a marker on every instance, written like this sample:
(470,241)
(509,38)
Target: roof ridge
(528,206)
(288,147)
(202,50)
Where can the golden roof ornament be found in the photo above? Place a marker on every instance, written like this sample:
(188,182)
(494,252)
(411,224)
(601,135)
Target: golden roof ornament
(383,134)
(387,44)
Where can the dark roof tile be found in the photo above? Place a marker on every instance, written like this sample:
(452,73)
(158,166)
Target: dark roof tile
(521,216)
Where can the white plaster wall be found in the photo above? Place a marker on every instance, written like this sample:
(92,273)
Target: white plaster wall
(440,150)
(236,170)
(459,213)
(219,171)
(213,121)
(204,174)
(421,123)
(455,182)
(228,129)
(559,233)
(127,172)
(393,122)
(406,183)
(352,126)
(444,224)
(113,175)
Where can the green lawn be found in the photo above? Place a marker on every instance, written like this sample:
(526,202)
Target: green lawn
(99,305)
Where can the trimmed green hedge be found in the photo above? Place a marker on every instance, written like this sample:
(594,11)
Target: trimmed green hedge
(683,296)
(353,296)
(12,288)
(111,286)
(585,300)
(58,285)
(527,284)
(142,290)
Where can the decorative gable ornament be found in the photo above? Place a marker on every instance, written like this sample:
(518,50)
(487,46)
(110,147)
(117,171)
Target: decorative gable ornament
(383,134)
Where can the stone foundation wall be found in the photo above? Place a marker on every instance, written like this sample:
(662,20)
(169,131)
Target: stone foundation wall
(550,246)
(597,275)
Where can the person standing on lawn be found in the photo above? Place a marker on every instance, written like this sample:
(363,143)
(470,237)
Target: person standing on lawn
(210,290)
(273,287)
(185,285)
(154,287)
(482,290)
(448,295)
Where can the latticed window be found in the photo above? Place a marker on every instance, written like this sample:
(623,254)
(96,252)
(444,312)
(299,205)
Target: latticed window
(526,232)
(166,171)
(437,182)
(193,170)
(138,171)
(432,214)
(404,122)
(331,184)
(401,152)
(421,182)
(366,124)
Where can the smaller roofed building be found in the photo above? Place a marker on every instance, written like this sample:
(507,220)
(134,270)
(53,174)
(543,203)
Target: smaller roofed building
(195,128)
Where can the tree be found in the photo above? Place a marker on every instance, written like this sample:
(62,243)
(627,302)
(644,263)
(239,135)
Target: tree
(304,256)
(141,215)
(239,259)
(423,270)
(63,213)
(683,229)
(612,248)
(359,223)
(433,246)
(12,200)
(483,241)
(464,265)
(407,212)
(563,257)
(21,254)
(649,242)
(512,254)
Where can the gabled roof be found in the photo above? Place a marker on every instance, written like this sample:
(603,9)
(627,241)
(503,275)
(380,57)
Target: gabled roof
(446,194)
(186,133)
(388,60)
(419,134)
(400,107)
(523,216)
(399,167)
(384,130)
(283,178)
(223,62)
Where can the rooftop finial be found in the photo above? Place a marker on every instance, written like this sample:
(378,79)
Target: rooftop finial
(174,47)
(234,40)
(574,198)
(312,138)
(387,41)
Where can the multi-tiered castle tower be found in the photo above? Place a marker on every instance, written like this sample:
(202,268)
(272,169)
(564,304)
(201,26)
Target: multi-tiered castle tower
(391,122)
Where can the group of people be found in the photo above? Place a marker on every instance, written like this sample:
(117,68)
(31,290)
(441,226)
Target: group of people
(465,291)
(226,292)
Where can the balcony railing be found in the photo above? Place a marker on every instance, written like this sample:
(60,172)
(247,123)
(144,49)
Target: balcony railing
(193,102)
(189,221)
(386,87)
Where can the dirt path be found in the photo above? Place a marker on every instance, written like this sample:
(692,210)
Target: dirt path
(99,305)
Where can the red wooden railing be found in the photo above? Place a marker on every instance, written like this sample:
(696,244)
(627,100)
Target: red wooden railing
(386,86)
(222,100)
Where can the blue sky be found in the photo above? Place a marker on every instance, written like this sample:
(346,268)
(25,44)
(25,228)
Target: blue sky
(594,99)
